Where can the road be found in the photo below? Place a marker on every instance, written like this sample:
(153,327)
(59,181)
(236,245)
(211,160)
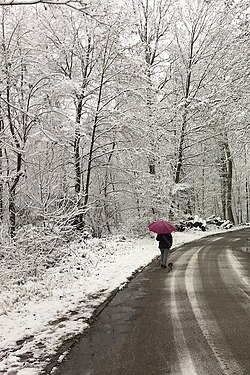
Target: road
(194,320)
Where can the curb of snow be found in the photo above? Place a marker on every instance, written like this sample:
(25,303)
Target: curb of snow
(68,344)
(64,349)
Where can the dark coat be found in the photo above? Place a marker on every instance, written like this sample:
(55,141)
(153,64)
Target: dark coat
(165,240)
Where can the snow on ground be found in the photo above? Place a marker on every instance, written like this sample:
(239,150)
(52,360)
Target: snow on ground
(37,317)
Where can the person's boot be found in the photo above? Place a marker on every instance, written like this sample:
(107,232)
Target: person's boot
(170,266)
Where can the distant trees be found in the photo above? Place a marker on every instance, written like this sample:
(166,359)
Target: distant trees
(201,47)
(150,37)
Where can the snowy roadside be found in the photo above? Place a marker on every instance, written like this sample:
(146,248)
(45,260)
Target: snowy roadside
(36,318)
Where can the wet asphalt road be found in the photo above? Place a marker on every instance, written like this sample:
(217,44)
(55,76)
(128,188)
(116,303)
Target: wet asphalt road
(194,320)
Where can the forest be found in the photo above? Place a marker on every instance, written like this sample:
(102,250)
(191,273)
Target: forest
(114,113)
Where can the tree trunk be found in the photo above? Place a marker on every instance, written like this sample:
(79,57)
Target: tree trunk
(180,150)
(229,165)
(223,179)
(247,199)
(86,192)
(246,190)
(226,176)
(77,159)
(105,190)
(12,212)
(12,196)
(1,169)
(179,162)
(78,169)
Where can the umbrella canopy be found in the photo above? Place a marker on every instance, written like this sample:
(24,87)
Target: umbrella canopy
(161,227)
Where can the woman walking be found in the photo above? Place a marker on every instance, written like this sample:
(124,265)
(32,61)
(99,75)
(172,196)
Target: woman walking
(163,228)
(165,243)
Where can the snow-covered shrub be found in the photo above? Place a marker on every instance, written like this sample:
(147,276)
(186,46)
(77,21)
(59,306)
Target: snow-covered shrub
(202,224)
(32,251)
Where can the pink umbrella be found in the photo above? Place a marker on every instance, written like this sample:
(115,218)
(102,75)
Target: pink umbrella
(161,227)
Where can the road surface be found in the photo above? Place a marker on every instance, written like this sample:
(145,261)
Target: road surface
(194,320)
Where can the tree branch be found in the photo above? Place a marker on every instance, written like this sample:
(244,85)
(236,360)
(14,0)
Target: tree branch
(77,5)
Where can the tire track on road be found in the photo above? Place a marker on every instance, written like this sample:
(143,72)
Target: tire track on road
(242,280)
(185,361)
(210,331)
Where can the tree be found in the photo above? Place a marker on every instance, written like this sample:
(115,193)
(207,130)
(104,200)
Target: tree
(152,21)
(19,106)
(92,63)
(201,42)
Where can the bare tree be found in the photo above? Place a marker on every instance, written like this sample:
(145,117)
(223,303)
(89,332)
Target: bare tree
(200,45)
(199,55)
(20,109)
(153,21)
